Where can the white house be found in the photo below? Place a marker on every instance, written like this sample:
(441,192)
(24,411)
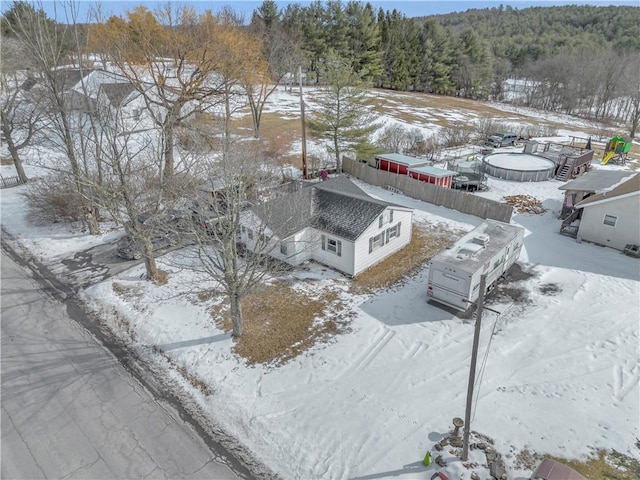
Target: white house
(612,217)
(332,222)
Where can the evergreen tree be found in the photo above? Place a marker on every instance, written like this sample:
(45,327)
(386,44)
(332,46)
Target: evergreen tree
(314,34)
(364,40)
(266,15)
(343,116)
(438,58)
(473,66)
(398,55)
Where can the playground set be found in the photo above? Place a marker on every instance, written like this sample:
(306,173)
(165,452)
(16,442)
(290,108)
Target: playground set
(616,151)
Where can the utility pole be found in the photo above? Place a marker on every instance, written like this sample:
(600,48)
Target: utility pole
(472,369)
(304,131)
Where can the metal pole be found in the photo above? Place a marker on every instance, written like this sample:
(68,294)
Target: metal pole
(472,369)
(304,133)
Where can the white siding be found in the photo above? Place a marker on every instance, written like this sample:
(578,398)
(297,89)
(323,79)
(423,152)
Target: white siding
(363,259)
(354,256)
(344,262)
(626,230)
(300,247)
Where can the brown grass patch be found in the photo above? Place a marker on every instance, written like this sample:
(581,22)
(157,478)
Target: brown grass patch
(425,243)
(161,277)
(194,381)
(126,291)
(282,322)
(606,465)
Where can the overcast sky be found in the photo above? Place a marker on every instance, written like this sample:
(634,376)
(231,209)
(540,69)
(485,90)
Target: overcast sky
(415,8)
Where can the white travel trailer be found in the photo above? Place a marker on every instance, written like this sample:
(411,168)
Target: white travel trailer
(490,249)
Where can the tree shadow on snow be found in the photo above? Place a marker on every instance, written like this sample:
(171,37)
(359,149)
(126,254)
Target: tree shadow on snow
(191,343)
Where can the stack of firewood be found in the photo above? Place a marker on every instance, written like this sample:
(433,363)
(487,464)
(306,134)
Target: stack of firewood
(525,204)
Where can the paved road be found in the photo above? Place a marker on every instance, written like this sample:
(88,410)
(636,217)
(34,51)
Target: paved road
(70,410)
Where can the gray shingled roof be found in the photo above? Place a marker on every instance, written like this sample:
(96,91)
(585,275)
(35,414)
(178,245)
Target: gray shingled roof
(287,214)
(117,92)
(596,180)
(336,206)
(344,215)
(67,77)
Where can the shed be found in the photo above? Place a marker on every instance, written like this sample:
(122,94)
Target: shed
(398,163)
(437,176)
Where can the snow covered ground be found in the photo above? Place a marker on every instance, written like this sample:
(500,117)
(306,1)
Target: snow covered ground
(558,370)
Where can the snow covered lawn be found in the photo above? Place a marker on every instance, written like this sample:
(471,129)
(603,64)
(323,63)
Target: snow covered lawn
(558,370)
(559,375)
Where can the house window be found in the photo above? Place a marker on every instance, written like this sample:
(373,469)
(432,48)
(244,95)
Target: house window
(332,245)
(250,234)
(244,229)
(610,220)
(376,242)
(283,249)
(393,232)
(389,218)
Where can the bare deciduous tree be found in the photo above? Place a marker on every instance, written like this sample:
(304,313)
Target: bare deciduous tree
(396,138)
(130,190)
(171,58)
(47,46)
(19,118)
(235,184)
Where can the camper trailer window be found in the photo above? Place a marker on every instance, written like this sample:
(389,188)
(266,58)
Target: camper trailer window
(610,220)
(498,263)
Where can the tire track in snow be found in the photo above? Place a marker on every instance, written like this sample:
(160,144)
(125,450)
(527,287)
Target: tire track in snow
(622,386)
(370,353)
(415,350)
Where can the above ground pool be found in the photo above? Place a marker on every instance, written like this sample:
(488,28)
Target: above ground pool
(519,167)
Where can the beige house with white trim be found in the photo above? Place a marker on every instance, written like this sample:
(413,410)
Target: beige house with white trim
(612,218)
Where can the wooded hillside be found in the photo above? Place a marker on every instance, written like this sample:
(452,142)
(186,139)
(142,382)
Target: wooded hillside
(575,59)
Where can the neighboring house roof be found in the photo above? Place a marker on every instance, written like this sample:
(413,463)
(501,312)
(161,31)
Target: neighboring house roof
(434,171)
(78,101)
(597,180)
(626,188)
(402,159)
(28,84)
(336,206)
(117,92)
(66,78)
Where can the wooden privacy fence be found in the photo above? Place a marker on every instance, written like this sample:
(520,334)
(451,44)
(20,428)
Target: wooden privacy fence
(445,197)
(6,182)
